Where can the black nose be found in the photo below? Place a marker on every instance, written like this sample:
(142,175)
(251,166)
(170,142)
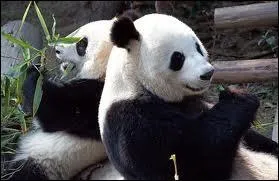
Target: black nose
(57,51)
(207,75)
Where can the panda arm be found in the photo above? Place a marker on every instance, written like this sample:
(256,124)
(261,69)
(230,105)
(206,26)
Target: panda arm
(69,106)
(74,90)
(141,137)
(229,119)
(258,142)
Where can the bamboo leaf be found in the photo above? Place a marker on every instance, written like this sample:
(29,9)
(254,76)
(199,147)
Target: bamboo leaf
(26,53)
(53,27)
(38,94)
(42,21)
(68,40)
(23,124)
(16,69)
(17,41)
(20,81)
(70,66)
(24,16)
(220,88)
(173,158)
(7,93)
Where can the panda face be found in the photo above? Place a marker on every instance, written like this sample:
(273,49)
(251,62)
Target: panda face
(173,55)
(75,53)
(91,53)
(163,55)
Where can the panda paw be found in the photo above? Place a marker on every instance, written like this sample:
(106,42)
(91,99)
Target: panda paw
(52,83)
(239,96)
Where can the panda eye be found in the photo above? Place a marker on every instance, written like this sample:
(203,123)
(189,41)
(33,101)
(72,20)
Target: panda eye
(177,61)
(199,48)
(81,46)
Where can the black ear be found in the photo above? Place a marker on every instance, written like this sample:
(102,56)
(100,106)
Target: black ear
(122,31)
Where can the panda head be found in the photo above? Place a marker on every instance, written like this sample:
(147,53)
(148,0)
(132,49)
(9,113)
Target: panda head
(164,55)
(91,53)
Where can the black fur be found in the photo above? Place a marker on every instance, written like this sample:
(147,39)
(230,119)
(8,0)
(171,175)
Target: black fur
(257,142)
(132,14)
(81,46)
(122,31)
(28,89)
(199,48)
(27,170)
(141,134)
(177,61)
(66,106)
(71,107)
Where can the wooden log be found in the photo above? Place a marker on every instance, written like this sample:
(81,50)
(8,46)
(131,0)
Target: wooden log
(275,126)
(245,71)
(253,15)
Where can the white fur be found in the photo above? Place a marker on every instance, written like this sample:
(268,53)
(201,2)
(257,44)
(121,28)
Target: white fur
(61,154)
(93,63)
(147,64)
(148,61)
(251,165)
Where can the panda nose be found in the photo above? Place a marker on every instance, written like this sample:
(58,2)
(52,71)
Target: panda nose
(207,75)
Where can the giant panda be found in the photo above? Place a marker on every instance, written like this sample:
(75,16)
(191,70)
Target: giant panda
(151,107)
(65,135)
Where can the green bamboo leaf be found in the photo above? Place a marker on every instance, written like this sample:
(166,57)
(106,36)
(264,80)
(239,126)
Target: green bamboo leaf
(53,27)
(22,123)
(16,69)
(24,16)
(17,41)
(38,94)
(68,40)
(26,53)
(20,81)
(7,92)
(220,88)
(70,66)
(42,21)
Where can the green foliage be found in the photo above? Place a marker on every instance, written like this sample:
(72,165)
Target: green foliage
(24,16)
(269,40)
(38,94)
(42,21)
(14,121)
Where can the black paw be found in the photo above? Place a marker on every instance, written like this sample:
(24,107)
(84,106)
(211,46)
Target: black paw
(237,96)
(52,83)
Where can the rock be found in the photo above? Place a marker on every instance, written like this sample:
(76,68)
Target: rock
(11,53)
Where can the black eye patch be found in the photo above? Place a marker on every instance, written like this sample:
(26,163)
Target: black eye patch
(199,48)
(81,46)
(177,61)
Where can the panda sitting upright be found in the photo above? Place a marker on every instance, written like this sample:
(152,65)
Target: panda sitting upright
(151,108)
(65,138)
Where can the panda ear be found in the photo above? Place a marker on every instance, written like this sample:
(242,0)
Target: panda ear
(122,31)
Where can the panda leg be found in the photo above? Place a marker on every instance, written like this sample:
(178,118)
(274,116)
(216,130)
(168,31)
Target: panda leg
(258,142)
(57,155)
